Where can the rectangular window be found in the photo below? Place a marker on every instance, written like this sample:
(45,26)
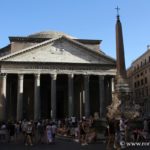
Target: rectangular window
(136,93)
(145,61)
(146,91)
(142,82)
(135,84)
(145,80)
(139,93)
(143,92)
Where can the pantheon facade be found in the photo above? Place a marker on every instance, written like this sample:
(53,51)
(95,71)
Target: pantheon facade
(54,75)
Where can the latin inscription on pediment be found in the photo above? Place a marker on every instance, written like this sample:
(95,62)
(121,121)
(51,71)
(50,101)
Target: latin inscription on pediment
(57,51)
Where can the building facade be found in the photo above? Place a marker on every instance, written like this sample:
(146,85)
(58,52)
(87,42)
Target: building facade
(53,75)
(139,80)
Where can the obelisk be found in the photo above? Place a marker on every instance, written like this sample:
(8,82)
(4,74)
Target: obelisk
(121,101)
(121,78)
(121,86)
(121,69)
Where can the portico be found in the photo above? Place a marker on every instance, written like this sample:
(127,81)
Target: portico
(55,80)
(54,96)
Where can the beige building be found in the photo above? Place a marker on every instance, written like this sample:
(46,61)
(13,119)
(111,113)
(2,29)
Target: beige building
(139,80)
(54,75)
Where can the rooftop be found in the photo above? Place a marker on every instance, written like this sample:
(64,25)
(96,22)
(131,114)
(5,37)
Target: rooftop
(50,34)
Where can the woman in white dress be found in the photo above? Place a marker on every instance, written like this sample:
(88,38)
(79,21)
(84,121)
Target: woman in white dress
(49,133)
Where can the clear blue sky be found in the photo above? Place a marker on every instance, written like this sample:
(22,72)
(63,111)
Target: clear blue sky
(87,19)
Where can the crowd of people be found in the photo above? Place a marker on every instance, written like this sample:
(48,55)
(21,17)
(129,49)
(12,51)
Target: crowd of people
(81,131)
(44,131)
(28,132)
(118,132)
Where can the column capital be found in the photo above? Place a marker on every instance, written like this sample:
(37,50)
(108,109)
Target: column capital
(20,76)
(37,75)
(101,77)
(54,76)
(3,75)
(71,75)
(86,76)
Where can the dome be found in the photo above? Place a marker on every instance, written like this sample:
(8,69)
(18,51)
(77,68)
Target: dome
(49,34)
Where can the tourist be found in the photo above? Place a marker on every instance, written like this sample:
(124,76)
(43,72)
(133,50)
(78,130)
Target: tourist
(17,131)
(136,135)
(54,130)
(40,131)
(64,130)
(23,128)
(117,136)
(77,132)
(145,129)
(122,132)
(91,121)
(29,134)
(149,128)
(49,133)
(3,126)
(4,132)
(111,134)
(11,130)
(73,121)
(83,132)
(91,135)
(127,133)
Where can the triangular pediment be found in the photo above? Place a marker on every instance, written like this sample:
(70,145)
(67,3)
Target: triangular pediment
(60,50)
